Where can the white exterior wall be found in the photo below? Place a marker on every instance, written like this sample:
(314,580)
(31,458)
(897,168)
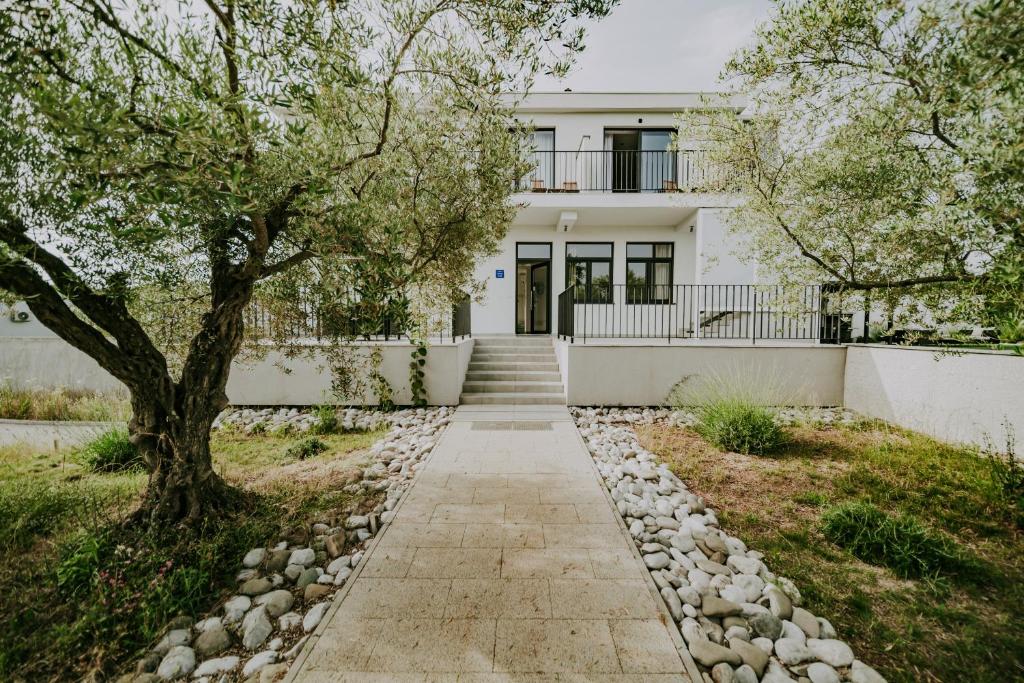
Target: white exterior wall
(974,397)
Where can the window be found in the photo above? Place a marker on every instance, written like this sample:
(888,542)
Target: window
(649,272)
(588,265)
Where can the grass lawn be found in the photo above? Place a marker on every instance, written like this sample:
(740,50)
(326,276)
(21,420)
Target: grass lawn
(17,403)
(83,592)
(955,626)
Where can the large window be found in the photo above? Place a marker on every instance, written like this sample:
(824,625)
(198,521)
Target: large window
(588,265)
(540,144)
(649,272)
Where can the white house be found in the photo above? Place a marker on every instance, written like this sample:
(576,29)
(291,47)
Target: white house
(621,232)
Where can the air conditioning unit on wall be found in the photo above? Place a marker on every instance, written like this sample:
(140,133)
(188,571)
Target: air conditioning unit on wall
(19,315)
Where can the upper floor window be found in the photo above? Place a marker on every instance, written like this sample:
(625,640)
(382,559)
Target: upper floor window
(541,145)
(588,266)
(649,272)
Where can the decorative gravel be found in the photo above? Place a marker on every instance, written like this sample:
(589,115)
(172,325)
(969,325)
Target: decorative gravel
(741,622)
(285,588)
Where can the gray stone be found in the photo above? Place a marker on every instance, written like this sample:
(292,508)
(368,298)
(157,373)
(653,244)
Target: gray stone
(278,560)
(722,673)
(255,586)
(235,608)
(683,542)
(313,616)
(289,621)
(307,577)
(675,606)
(717,607)
(342,575)
(806,621)
(791,630)
(212,667)
(338,564)
(791,651)
(752,655)
(293,571)
(258,661)
(744,674)
(256,627)
(767,625)
(833,652)
(254,557)
(743,565)
(302,556)
(819,672)
(689,595)
(656,560)
(178,662)
(862,673)
(173,638)
(779,603)
(211,642)
(707,653)
(692,631)
(766,645)
(752,586)
(277,602)
(357,522)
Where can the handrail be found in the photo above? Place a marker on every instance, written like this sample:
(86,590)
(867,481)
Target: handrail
(727,312)
(560,171)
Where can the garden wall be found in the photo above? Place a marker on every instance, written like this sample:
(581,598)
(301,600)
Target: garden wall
(635,375)
(271,380)
(971,397)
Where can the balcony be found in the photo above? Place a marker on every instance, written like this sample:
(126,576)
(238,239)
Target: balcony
(623,171)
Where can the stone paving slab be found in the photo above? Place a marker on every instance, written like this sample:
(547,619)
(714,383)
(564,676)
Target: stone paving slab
(505,562)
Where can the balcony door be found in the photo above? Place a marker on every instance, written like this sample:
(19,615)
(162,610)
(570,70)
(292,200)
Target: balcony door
(639,160)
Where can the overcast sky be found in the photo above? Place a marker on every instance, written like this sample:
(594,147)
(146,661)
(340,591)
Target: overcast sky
(662,45)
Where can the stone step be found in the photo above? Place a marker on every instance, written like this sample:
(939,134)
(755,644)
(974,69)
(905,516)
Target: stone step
(513,387)
(512,341)
(514,366)
(513,376)
(526,348)
(548,357)
(513,399)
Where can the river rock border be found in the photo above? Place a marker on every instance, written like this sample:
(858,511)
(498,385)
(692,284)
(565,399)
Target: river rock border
(741,622)
(285,589)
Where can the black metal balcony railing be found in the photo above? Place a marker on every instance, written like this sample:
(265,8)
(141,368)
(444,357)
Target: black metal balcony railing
(623,171)
(348,316)
(737,312)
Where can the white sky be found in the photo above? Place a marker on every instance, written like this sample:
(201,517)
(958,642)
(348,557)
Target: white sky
(668,45)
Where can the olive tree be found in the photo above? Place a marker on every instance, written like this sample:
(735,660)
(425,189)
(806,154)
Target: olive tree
(160,159)
(882,149)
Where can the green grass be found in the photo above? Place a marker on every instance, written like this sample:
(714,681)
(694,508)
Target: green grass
(957,621)
(307,448)
(111,451)
(739,426)
(20,403)
(85,592)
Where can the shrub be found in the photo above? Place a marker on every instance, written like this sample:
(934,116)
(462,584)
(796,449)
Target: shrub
(111,451)
(900,543)
(306,448)
(326,420)
(736,425)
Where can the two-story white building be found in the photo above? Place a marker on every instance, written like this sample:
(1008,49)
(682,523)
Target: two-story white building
(621,231)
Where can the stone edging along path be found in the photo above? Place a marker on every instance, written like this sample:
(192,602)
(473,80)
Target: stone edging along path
(284,590)
(741,622)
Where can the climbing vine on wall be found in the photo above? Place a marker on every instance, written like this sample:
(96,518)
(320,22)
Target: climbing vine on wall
(416,374)
(381,386)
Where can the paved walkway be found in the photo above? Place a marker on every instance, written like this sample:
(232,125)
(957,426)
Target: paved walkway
(505,562)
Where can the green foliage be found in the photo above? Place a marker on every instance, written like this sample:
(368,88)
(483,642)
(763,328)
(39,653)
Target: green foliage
(307,448)
(382,388)
(883,152)
(416,374)
(19,403)
(740,426)
(326,420)
(111,451)
(900,542)
(1007,474)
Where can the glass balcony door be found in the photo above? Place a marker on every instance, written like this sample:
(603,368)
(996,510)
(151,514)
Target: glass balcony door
(639,160)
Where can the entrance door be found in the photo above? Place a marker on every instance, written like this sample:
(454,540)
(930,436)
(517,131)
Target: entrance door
(533,288)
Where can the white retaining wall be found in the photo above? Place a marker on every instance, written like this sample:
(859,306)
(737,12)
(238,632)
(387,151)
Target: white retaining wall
(971,397)
(272,380)
(631,375)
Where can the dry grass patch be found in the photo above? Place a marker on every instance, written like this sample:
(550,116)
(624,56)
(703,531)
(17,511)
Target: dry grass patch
(940,628)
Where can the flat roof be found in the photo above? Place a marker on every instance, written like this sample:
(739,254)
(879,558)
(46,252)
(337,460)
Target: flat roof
(579,101)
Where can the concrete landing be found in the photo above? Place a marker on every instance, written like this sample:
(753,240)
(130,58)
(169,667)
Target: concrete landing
(505,562)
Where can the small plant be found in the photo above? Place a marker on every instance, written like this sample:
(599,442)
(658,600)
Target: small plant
(307,448)
(1008,476)
(739,426)
(416,374)
(111,452)
(326,420)
(900,543)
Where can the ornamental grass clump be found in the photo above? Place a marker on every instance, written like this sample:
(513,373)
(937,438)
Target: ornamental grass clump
(899,542)
(739,426)
(111,452)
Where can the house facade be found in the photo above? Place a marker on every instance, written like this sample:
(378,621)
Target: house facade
(621,232)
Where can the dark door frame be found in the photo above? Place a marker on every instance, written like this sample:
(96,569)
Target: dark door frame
(534,261)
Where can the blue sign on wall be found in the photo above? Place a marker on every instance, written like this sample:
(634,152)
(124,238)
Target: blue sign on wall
(500,274)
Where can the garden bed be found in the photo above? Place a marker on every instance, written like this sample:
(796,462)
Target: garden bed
(940,605)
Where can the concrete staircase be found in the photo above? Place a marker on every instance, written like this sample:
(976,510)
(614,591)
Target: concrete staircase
(513,370)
